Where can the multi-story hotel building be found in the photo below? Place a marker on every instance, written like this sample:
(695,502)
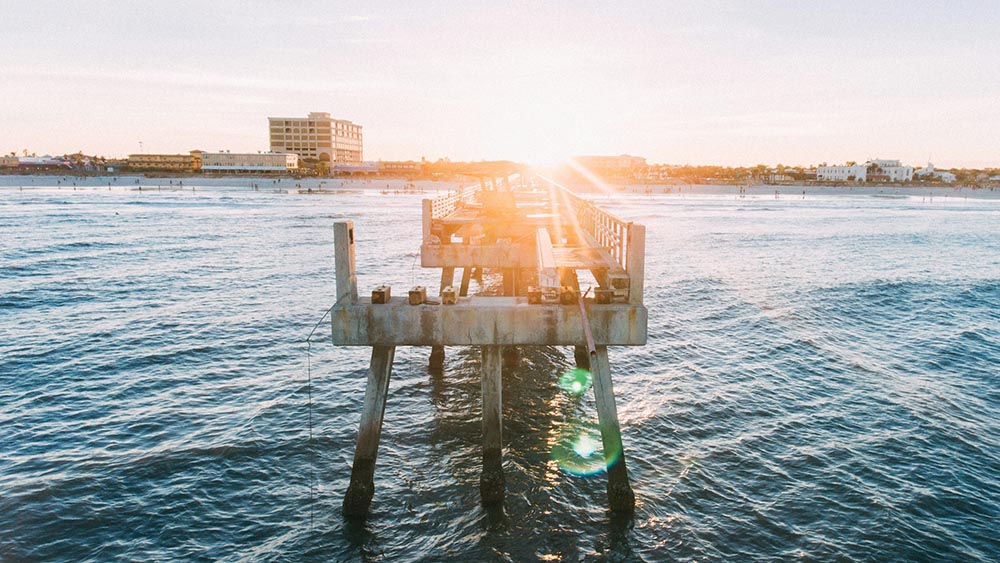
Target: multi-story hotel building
(248,162)
(318,136)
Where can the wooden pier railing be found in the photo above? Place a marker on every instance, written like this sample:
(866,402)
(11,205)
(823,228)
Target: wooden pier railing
(444,205)
(607,229)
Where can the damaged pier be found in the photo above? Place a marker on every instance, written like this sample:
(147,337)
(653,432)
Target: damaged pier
(539,238)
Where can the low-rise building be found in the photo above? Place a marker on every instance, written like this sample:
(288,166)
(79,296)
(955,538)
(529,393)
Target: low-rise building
(261,162)
(929,173)
(190,162)
(875,170)
(844,173)
(888,171)
(41,162)
(399,167)
(622,162)
(9,161)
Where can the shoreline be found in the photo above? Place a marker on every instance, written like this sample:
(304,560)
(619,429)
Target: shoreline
(333,186)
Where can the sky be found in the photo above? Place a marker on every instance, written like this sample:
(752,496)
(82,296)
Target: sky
(701,82)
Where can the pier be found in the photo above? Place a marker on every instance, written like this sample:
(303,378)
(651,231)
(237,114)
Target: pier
(540,237)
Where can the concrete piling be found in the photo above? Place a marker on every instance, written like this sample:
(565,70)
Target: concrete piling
(362,487)
(436,361)
(491,482)
(620,495)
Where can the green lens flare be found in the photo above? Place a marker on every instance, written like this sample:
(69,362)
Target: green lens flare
(576,382)
(579,450)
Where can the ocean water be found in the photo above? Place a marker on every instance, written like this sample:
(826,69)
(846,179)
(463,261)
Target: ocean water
(821,383)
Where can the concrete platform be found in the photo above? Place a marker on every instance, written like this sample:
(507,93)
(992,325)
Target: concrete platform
(479,321)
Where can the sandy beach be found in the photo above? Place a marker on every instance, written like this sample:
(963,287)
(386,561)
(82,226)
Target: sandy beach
(398,186)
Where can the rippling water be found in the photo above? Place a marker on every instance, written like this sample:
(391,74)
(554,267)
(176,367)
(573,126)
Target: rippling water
(820,383)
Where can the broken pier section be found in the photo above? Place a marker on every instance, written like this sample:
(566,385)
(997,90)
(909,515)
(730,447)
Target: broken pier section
(539,236)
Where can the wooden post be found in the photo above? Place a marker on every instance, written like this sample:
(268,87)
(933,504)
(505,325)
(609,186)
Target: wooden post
(343,260)
(636,261)
(466,278)
(491,482)
(362,487)
(620,495)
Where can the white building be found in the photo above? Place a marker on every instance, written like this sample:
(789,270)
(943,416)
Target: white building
(318,136)
(877,170)
(889,170)
(845,173)
(930,173)
(248,162)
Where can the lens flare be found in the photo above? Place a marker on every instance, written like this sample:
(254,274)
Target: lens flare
(576,382)
(579,450)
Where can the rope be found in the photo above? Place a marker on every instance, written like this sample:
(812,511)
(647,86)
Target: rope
(312,450)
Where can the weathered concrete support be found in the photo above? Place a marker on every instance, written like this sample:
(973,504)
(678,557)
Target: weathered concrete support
(620,495)
(427,217)
(344,262)
(636,261)
(447,278)
(491,482)
(509,282)
(568,277)
(463,291)
(479,320)
(362,487)
(436,361)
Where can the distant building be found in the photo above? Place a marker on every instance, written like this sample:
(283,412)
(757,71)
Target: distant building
(9,161)
(37,162)
(929,173)
(845,173)
(190,162)
(399,167)
(622,162)
(262,162)
(888,171)
(877,170)
(318,136)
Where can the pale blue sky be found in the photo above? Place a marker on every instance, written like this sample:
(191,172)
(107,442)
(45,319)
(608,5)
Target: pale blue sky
(678,82)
